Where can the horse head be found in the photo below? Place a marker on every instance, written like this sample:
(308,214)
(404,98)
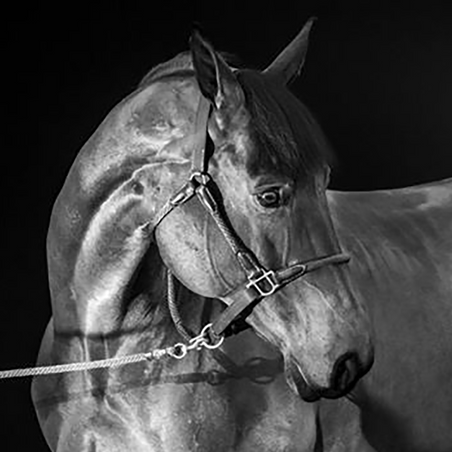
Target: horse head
(269,161)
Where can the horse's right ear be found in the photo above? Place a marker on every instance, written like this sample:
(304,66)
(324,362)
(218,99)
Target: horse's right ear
(215,78)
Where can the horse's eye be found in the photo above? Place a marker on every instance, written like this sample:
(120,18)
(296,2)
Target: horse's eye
(270,198)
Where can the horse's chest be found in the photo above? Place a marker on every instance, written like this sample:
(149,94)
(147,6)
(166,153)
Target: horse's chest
(202,417)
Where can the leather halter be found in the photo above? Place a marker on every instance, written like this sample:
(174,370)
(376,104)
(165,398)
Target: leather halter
(261,282)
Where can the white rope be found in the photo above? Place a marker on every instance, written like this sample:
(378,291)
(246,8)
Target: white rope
(177,351)
(174,351)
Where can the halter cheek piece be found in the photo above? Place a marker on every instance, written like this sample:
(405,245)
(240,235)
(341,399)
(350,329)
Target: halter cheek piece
(261,282)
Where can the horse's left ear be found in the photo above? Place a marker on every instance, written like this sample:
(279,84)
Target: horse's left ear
(215,78)
(288,64)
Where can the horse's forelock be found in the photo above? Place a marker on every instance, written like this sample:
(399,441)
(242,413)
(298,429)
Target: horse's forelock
(288,139)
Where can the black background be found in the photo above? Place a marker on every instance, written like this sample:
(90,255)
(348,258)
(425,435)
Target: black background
(379,79)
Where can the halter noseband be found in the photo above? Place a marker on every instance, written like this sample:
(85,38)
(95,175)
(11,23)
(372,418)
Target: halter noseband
(261,282)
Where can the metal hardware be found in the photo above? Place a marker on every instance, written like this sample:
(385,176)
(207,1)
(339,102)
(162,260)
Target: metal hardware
(183,195)
(265,284)
(203,340)
(200,177)
(206,197)
(178,351)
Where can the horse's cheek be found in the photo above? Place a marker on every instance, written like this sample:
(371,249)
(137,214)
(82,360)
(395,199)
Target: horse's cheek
(181,247)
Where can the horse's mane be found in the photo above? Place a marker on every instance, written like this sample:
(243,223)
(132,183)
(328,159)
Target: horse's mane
(288,138)
(178,66)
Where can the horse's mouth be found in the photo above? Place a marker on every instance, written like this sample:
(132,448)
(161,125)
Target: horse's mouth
(298,383)
(309,392)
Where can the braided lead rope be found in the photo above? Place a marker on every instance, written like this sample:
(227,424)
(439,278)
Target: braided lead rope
(177,351)
(89,365)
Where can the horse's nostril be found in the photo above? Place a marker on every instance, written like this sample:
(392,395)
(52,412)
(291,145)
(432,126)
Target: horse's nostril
(345,372)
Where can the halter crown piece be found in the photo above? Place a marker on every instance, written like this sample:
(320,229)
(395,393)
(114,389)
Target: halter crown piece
(261,282)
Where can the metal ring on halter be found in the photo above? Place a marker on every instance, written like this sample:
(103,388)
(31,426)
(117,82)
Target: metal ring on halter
(200,177)
(205,333)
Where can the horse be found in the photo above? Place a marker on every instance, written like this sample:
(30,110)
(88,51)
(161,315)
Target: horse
(207,184)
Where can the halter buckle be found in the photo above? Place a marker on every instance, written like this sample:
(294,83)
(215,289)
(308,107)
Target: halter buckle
(265,283)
